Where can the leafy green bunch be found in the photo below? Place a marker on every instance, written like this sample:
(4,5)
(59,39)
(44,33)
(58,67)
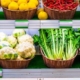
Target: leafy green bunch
(58,44)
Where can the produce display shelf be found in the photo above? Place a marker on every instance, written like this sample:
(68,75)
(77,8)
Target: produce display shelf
(41,73)
(76,16)
(37,63)
(37,69)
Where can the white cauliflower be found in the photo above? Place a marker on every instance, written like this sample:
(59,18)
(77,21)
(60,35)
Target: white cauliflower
(4,44)
(12,40)
(20,58)
(3,36)
(25,38)
(8,53)
(26,50)
(18,32)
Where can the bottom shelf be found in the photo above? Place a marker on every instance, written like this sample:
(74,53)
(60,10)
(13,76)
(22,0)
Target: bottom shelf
(41,73)
(37,62)
(37,69)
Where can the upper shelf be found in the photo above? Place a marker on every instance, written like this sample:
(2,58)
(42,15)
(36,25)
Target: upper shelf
(36,24)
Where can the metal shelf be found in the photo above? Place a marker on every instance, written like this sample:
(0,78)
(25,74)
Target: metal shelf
(41,73)
(37,24)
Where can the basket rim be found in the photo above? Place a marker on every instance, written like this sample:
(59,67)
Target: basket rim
(19,10)
(16,60)
(58,60)
(59,10)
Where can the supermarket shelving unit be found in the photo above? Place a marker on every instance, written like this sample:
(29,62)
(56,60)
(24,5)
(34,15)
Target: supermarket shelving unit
(32,26)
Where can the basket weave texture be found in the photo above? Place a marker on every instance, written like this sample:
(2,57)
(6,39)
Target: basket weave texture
(58,63)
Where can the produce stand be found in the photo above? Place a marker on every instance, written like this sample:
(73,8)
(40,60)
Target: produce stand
(37,68)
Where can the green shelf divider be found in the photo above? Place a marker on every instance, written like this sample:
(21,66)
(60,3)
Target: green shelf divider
(65,27)
(0,72)
(21,26)
(21,20)
(65,20)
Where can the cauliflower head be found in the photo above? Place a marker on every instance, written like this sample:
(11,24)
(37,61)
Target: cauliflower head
(25,38)
(8,53)
(4,44)
(12,40)
(20,58)
(26,50)
(18,32)
(3,36)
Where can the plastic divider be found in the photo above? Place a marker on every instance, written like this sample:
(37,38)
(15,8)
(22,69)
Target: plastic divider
(49,23)
(0,73)
(7,24)
(37,24)
(21,23)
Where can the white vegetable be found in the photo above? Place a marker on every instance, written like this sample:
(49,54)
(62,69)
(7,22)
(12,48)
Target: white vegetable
(4,44)
(12,40)
(26,50)
(3,36)
(8,53)
(18,32)
(20,58)
(25,38)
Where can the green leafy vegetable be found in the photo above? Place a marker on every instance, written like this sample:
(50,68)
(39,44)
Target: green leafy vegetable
(58,44)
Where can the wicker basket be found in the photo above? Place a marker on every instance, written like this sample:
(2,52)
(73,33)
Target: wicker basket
(58,63)
(15,64)
(17,14)
(57,14)
(78,1)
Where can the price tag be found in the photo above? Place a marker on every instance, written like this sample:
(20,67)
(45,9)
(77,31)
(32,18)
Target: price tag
(21,24)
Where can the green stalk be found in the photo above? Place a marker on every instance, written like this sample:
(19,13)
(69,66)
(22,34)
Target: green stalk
(53,41)
(43,37)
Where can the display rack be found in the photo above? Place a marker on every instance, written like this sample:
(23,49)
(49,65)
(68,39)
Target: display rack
(6,25)
(32,26)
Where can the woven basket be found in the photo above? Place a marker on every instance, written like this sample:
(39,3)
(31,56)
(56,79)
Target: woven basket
(58,63)
(17,14)
(57,14)
(78,1)
(15,64)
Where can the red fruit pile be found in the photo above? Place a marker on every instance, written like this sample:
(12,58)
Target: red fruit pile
(61,4)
